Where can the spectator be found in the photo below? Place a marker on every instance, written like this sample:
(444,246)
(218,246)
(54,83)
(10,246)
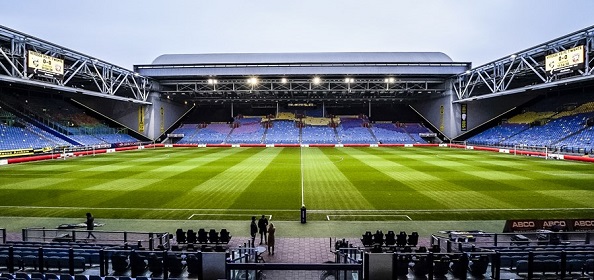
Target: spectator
(90,225)
(253,229)
(271,231)
(262,224)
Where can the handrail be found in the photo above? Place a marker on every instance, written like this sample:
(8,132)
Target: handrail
(293,266)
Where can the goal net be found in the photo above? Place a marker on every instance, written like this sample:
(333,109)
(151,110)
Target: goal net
(536,151)
(458,144)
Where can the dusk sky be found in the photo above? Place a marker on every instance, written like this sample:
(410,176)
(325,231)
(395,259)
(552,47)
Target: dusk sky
(128,32)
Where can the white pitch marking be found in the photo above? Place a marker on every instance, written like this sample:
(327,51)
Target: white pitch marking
(223,214)
(348,215)
(294,210)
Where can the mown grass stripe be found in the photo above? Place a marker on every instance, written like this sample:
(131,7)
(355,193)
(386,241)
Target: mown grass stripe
(155,183)
(223,189)
(507,186)
(325,186)
(277,186)
(449,195)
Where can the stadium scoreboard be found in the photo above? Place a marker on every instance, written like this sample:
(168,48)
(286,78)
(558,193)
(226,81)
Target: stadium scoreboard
(45,65)
(565,61)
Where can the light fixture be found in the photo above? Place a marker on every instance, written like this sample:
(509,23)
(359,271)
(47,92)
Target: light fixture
(513,56)
(389,80)
(349,80)
(316,80)
(212,81)
(284,80)
(252,81)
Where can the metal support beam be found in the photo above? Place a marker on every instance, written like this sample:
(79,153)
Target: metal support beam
(524,69)
(81,71)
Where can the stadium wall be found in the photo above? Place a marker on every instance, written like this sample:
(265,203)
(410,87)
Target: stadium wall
(478,112)
(128,113)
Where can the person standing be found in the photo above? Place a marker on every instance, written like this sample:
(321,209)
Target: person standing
(262,224)
(253,229)
(90,225)
(271,232)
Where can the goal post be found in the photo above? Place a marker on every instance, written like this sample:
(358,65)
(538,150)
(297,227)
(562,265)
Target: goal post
(458,144)
(538,151)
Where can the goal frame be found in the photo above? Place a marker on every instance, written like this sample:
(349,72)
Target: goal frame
(527,150)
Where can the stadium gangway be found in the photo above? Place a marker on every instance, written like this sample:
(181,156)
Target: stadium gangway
(135,239)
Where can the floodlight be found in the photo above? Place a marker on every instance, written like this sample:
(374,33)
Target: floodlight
(252,80)
(136,74)
(284,80)
(467,72)
(390,80)
(317,80)
(212,81)
(512,56)
(349,80)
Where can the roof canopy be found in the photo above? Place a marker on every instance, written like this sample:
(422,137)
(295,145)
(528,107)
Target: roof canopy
(328,57)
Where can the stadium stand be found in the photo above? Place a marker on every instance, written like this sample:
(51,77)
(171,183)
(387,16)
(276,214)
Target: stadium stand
(414,130)
(352,131)
(15,133)
(282,132)
(214,133)
(248,131)
(388,133)
(560,128)
(51,118)
(318,135)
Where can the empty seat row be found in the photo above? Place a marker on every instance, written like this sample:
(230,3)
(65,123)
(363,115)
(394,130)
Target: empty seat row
(192,237)
(54,262)
(390,239)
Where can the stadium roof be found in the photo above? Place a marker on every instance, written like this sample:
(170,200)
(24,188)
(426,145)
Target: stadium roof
(322,57)
(309,76)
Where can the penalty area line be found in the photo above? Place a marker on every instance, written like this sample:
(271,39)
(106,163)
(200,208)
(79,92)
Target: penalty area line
(407,217)
(224,214)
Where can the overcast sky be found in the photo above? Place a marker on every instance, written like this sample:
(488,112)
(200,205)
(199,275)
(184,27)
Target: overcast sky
(128,32)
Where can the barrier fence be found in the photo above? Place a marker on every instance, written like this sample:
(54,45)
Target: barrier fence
(147,240)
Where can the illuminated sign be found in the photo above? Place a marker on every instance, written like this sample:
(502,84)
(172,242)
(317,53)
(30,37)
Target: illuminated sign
(565,61)
(463,117)
(141,119)
(46,65)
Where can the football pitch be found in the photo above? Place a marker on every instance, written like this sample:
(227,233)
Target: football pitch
(336,184)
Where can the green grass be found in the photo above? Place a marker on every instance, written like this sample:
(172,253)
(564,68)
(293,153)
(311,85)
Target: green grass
(342,184)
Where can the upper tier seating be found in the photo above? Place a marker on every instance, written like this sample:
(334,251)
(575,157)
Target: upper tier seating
(530,117)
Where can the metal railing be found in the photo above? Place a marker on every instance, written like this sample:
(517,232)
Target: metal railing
(149,240)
